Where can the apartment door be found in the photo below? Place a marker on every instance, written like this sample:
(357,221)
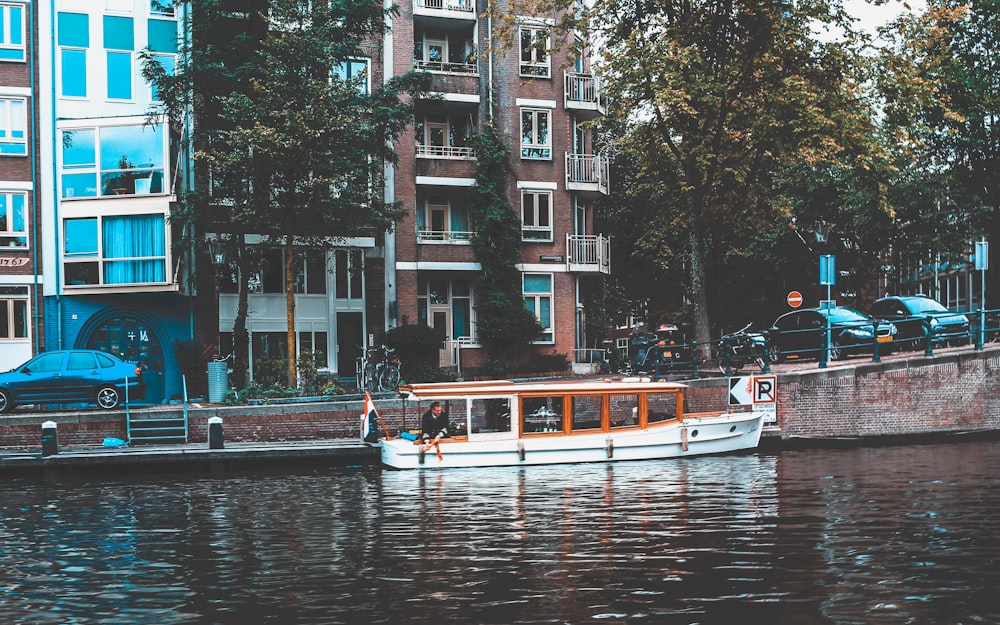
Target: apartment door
(350,342)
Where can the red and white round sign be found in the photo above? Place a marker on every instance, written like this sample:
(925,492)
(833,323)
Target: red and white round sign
(794,299)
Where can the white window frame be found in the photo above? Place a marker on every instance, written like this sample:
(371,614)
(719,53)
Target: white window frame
(532,214)
(535,63)
(11,122)
(99,258)
(345,71)
(7,301)
(533,147)
(7,234)
(5,36)
(536,298)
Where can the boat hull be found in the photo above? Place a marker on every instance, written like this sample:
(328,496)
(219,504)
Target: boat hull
(701,435)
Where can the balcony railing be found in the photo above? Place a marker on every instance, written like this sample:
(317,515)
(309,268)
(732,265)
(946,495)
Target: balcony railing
(444,236)
(588,252)
(443,66)
(465,6)
(587,172)
(445,151)
(583,92)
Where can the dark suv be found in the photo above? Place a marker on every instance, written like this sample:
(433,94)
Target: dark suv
(909,314)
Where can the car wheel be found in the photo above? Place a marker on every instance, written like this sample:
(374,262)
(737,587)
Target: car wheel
(6,402)
(108,397)
(836,351)
(774,353)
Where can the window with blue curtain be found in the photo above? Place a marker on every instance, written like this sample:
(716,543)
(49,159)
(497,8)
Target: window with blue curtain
(119,42)
(12,32)
(73,38)
(134,249)
(162,36)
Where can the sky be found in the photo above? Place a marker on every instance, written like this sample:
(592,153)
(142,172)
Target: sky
(874,16)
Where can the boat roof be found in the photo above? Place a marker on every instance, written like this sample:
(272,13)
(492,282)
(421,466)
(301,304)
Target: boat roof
(509,387)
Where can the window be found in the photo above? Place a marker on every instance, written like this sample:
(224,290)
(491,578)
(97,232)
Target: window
(348,272)
(440,220)
(536,215)
(535,51)
(538,299)
(586,412)
(161,7)
(535,137)
(113,160)
(13,312)
(115,250)
(354,71)
(441,136)
(12,32)
(119,42)
(13,220)
(73,39)
(162,36)
(315,342)
(169,64)
(13,122)
(79,361)
(311,272)
(445,52)
(446,305)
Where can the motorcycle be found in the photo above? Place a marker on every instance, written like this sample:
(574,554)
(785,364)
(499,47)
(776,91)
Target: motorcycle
(741,348)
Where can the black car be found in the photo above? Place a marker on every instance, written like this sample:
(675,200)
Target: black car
(799,334)
(909,314)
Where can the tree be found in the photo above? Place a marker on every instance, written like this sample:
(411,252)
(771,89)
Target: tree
(295,143)
(713,100)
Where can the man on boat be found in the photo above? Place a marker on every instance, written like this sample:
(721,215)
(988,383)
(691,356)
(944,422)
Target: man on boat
(433,426)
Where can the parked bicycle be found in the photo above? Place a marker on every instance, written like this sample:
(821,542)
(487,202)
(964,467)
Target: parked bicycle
(378,369)
(741,348)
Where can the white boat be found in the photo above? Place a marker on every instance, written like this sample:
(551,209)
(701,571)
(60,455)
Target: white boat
(503,423)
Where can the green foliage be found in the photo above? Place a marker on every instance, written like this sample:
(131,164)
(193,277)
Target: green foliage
(417,347)
(192,358)
(505,326)
(430,373)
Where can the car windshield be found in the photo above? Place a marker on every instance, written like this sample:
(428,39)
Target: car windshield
(925,305)
(844,315)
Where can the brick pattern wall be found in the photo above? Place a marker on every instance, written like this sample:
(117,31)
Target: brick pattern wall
(950,393)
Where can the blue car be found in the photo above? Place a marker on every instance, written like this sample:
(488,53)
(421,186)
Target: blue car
(72,376)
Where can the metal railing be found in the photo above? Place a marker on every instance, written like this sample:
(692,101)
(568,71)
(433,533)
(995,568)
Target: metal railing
(445,66)
(588,169)
(467,6)
(583,88)
(445,151)
(590,250)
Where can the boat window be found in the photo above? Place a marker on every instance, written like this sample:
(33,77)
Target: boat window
(542,414)
(490,415)
(661,407)
(586,412)
(624,410)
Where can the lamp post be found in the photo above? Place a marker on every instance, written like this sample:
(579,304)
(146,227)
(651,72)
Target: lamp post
(217,254)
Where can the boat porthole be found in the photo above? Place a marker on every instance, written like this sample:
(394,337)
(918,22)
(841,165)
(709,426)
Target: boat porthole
(694,433)
(732,428)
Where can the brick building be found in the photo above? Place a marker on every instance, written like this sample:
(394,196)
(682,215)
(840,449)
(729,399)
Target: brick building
(21,325)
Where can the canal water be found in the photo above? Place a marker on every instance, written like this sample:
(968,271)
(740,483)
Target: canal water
(894,534)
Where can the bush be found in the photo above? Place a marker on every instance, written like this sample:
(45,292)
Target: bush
(544,363)
(427,373)
(417,347)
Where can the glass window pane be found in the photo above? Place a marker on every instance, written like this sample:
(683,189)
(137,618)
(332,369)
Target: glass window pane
(74,30)
(131,147)
(118,33)
(537,283)
(74,73)
(624,410)
(81,237)
(78,148)
(4,320)
(542,414)
(119,75)
(18,219)
(586,412)
(80,360)
(163,36)
(661,407)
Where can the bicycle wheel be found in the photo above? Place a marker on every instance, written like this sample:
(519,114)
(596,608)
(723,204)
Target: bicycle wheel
(388,380)
(359,373)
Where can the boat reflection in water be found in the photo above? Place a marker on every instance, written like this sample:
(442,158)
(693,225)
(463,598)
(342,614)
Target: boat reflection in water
(869,535)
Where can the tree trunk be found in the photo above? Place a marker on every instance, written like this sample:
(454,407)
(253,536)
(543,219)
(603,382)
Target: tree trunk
(241,338)
(290,308)
(696,279)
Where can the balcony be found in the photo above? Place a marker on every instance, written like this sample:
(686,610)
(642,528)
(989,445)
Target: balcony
(587,173)
(583,95)
(452,9)
(443,236)
(587,253)
(444,151)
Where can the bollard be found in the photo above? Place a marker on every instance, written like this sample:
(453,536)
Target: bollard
(215,438)
(50,439)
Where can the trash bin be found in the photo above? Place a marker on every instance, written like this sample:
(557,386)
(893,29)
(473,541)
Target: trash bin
(218,381)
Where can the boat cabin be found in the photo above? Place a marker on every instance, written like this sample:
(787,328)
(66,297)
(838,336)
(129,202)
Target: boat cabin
(505,409)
